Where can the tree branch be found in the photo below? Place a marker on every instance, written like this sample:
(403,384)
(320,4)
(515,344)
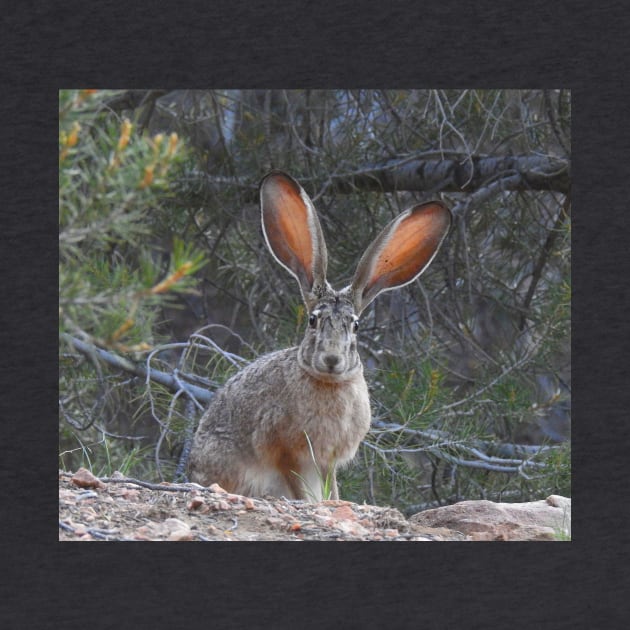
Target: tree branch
(542,259)
(168,380)
(461,173)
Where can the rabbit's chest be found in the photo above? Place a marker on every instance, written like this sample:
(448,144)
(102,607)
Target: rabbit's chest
(337,401)
(337,418)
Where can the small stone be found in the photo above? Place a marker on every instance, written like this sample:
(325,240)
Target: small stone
(83,478)
(180,535)
(195,503)
(178,530)
(129,494)
(351,528)
(344,513)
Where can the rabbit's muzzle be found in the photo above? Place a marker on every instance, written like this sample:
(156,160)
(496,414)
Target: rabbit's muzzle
(329,349)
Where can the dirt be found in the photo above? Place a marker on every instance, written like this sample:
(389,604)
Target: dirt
(123,509)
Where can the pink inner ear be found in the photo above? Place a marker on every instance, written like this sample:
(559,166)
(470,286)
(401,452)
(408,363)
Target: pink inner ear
(410,247)
(286,219)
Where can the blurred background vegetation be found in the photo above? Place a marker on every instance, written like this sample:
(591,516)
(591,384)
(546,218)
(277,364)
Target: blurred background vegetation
(166,288)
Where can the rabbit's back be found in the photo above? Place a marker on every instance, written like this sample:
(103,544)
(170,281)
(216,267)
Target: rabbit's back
(253,436)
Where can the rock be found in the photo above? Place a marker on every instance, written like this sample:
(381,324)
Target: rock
(484,520)
(178,530)
(344,513)
(195,503)
(85,479)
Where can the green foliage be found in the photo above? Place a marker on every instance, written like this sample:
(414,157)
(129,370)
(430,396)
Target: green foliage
(111,183)
(114,191)
(325,482)
(103,456)
(423,453)
(412,394)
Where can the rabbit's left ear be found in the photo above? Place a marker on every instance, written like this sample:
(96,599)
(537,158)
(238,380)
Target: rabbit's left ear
(293,233)
(400,253)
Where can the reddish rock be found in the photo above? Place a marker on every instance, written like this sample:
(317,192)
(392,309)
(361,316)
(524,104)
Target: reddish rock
(484,520)
(85,479)
(344,512)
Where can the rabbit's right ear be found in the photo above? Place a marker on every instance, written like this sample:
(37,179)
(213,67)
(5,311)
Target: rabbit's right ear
(400,253)
(293,233)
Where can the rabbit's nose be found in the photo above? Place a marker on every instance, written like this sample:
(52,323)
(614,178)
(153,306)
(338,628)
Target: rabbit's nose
(331,360)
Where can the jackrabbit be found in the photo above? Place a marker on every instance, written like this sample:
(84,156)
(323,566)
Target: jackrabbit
(285,422)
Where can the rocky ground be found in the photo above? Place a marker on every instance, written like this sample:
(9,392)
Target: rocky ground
(123,509)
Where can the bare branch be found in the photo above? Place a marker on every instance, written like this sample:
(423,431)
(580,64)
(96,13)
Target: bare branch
(169,381)
(461,173)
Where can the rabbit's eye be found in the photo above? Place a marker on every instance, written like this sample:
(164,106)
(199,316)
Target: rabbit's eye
(355,325)
(312,320)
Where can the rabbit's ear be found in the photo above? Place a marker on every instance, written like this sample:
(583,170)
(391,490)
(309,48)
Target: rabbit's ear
(293,233)
(401,252)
